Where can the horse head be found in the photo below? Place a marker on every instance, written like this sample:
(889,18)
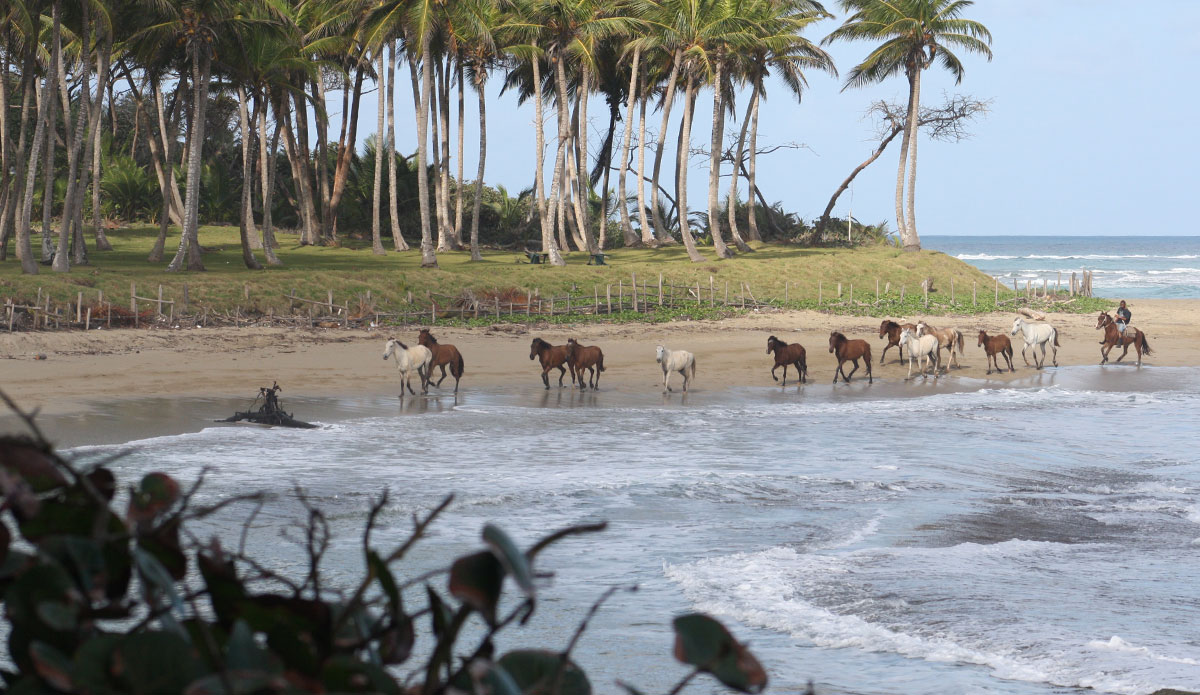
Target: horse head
(426,338)
(922,328)
(885,327)
(660,353)
(773,343)
(1018,325)
(390,347)
(982,338)
(537,346)
(1103,320)
(906,335)
(835,339)
(572,346)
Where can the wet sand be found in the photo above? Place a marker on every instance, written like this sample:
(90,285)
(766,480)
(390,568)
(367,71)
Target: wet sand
(95,372)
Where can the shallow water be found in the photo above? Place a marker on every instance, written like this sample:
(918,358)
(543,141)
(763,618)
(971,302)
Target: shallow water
(932,537)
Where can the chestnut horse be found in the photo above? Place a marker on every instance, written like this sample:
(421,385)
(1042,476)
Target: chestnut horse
(948,338)
(849,351)
(442,355)
(785,354)
(1114,337)
(552,356)
(996,345)
(892,330)
(581,358)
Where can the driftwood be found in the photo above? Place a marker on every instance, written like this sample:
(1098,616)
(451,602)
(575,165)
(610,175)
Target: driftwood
(270,412)
(1031,313)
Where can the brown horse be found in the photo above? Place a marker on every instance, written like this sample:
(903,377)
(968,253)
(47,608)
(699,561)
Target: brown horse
(785,354)
(996,345)
(1114,337)
(852,351)
(948,339)
(892,330)
(552,356)
(443,355)
(581,358)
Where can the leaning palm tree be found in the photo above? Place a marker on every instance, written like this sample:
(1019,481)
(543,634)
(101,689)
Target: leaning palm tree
(915,33)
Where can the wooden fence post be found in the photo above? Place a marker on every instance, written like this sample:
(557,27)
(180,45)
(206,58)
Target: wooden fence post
(974,293)
(635,302)
(660,303)
(785,291)
(158,310)
(819,293)
(902,286)
(185,298)
(952,298)
(698,300)
(133,303)
(608,297)
(997,299)
(79,308)
(620,295)
(839,290)
(877,289)
(925,291)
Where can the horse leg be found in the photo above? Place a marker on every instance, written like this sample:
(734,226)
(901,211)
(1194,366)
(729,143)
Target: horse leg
(546,377)
(683,373)
(835,372)
(1124,352)
(1104,348)
(884,353)
(852,371)
(1023,349)
(667,380)
(784,373)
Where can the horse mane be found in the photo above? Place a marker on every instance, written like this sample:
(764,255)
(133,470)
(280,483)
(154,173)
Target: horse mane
(429,335)
(836,335)
(781,343)
(891,324)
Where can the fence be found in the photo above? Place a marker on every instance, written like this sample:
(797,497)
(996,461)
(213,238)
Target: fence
(637,296)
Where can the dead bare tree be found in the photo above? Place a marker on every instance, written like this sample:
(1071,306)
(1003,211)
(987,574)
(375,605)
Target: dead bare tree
(945,123)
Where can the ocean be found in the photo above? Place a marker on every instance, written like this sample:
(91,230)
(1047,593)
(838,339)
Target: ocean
(945,538)
(1163,267)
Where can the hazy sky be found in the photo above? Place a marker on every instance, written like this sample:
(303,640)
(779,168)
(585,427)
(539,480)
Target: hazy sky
(1087,132)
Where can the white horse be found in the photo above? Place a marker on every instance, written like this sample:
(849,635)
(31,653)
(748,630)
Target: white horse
(407,359)
(680,361)
(948,339)
(1036,334)
(926,349)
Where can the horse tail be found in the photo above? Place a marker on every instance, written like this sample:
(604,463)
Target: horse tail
(692,369)
(960,339)
(1055,337)
(460,365)
(600,362)
(1146,345)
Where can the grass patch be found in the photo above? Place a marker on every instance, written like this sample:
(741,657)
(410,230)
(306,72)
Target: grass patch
(351,270)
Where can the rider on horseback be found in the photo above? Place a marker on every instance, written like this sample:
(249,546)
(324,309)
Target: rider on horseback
(1123,316)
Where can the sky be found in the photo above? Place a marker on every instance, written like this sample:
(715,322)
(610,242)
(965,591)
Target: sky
(1089,130)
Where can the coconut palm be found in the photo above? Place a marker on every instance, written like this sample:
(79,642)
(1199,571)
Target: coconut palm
(915,33)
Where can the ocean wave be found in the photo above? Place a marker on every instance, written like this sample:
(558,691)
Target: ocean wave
(1116,644)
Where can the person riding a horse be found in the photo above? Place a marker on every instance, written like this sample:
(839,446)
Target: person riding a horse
(1123,316)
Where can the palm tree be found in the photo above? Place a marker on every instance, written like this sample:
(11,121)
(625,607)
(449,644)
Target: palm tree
(915,33)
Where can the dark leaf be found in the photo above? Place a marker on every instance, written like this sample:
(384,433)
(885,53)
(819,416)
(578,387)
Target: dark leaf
(5,541)
(52,666)
(31,462)
(104,481)
(514,560)
(476,580)
(146,663)
(440,615)
(485,678)
(156,493)
(539,672)
(163,543)
(343,674)
(705,643)
(225,590)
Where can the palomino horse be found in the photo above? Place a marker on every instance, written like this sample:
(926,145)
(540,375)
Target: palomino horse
(443,355)
(589,358)
(892,330)
(996,345)
(925,349)
(552,356)
(785,354)
(408,359)
(680,361)
(852,351)
(1113,337)
(1036,334)
(949,339)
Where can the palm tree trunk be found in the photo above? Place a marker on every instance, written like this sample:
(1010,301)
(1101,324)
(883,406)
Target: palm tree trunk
(913,242)
(346,144)
(103,82)
(685,133)
(458,185)
(631,239)
(714,163)
(901,223)
(74,143)
(246,226)
(189,241)
(390,151)
(443,240)
(548,243)
(48,169)
(15,199)
(40,135)
(266,164)
(660,225)
(558,189)
(584,204)
(377,190)
(575,189)
(428,259)
(307,190)
(475,254)
(751,179)
(647,228)
(731,207)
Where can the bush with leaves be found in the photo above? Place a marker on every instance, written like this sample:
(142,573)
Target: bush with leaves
(102,603)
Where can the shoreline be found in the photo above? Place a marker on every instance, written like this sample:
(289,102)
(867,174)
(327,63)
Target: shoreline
(82,370)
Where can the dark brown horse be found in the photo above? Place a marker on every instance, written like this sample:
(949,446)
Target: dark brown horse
(785,354)
(1114,337)
(552,356)
(892,330)
(443,355)
(849,351)
(996,345)
(585,357)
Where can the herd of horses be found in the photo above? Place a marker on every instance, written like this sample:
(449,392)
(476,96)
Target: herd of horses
(923,342)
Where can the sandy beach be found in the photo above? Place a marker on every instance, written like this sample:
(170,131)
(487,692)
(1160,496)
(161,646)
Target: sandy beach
(69,371)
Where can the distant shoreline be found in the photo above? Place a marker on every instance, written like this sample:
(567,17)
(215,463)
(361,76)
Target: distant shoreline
(80,369)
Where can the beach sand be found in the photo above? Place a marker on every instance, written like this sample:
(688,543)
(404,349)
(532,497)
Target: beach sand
(80,370)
